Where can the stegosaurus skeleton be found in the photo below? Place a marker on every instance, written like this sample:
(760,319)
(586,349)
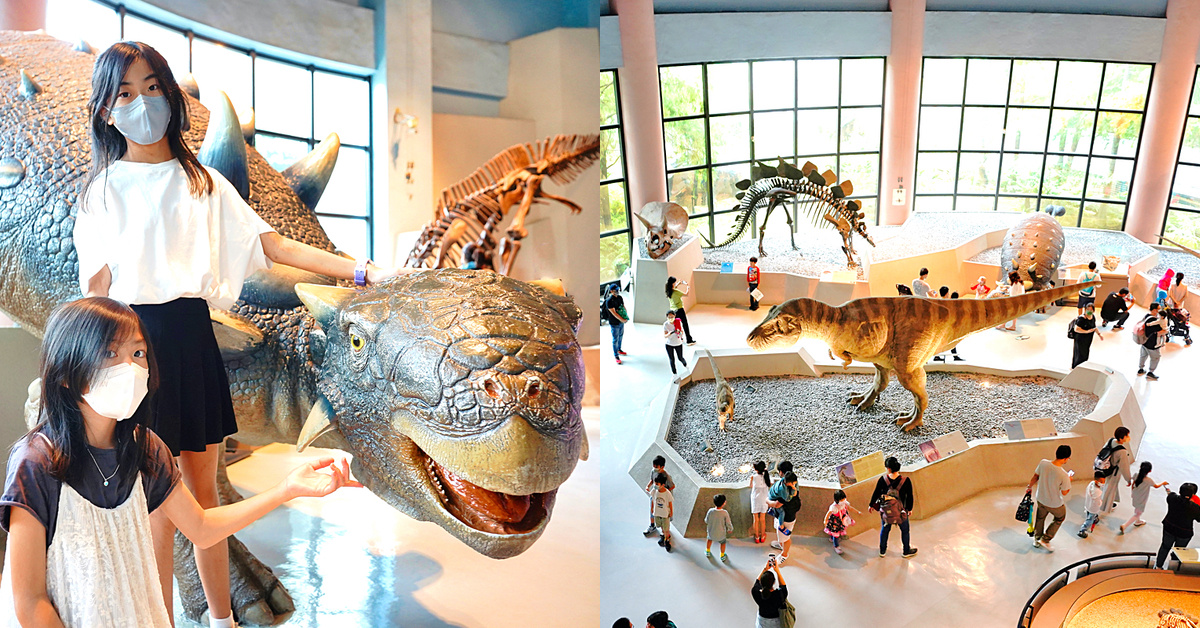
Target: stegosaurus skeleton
(469,212)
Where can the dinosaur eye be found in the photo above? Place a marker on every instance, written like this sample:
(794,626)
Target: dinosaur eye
(356,342)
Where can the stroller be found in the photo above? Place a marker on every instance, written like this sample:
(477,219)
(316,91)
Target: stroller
(1177,319)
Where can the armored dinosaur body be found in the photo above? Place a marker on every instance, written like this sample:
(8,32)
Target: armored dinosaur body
(1033,247)
(458,392)
(896,334)
(775,186)
(725,402)
(463,231)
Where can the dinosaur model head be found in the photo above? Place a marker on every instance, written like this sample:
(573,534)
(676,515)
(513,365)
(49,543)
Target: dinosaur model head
(459,392)
(787,323)
(664,223)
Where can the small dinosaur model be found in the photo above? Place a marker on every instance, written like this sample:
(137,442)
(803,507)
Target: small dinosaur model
(725,401)
(664,223)
(463,231)
(896,334)
(776,186)
(1033,247)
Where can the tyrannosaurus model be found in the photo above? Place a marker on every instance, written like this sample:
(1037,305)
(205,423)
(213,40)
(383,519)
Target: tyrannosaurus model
(458,392)
(470,212)
(725,402)
(776,186)
(896,334)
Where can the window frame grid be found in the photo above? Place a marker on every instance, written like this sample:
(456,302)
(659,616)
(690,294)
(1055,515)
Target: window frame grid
(623,179)
(1187,116)
(1083,199)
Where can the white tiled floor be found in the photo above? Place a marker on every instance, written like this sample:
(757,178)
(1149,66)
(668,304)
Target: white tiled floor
(975,566)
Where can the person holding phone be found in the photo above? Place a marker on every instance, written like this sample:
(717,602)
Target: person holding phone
(1053,483)
(770,599)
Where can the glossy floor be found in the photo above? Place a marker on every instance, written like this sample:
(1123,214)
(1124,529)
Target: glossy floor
(975,566)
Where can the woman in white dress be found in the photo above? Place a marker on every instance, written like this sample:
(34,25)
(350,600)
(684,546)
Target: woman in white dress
(760,485)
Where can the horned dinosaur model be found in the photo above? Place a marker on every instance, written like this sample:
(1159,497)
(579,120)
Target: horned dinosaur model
(458,392)
(896,334)
(1034,247)
(725,402)
(776,186)
(664,223)
(469,213)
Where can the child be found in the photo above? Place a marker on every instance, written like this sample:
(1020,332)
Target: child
(662,509)
(171,237)
(719,526)
(981,288)
(660,468)
(674,341)
(837,519)
(83,482)
(1142,483)
(1093,504)
(760,485)
(752,282)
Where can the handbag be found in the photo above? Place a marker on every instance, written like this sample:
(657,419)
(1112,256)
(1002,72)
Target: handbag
(787,615)
(1025,507)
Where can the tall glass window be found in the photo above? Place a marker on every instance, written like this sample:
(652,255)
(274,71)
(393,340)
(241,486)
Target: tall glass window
(719,117)
(295,105)
(1020,134)
(615,234)
(1182,222)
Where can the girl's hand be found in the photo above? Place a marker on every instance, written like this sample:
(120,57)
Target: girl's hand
(307,480)
(376,274)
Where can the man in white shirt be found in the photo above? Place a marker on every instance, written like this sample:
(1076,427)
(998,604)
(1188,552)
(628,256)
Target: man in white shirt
(1053,483)
(921,287)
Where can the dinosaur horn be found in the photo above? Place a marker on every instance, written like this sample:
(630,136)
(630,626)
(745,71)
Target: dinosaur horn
(83,46)
(248,125)
(309,176)
(586,449)
(224,149)
(320,420)
(189,85)
(645,223)
(29,87)
(323,302)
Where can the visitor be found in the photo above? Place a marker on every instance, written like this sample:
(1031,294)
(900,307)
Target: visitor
(659,619)
(903,290)
(1053,483)
(1088,295)
(784,497)
(1182,511)
(893,498)
(1164,285)
(770,600)
(1175,301)
(1156,334)
(752,282)
(1084,327)
(675,293)
(1142,483)
(659,467)
(920,286)
(760,486)
(1119,460)
(981,288)
(614,309)
(662,509)
(623,622)
(172,238)
(1116,308)
(83,482)
(718,525)
(953,350)
(837,519)
(674,341)
(1093,503)
(1016,288)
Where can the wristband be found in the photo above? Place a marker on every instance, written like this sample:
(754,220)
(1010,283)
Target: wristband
(360,272)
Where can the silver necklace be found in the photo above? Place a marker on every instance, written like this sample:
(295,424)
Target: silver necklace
(106,479)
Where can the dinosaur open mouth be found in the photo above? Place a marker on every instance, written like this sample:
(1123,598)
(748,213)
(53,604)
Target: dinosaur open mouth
(485,510)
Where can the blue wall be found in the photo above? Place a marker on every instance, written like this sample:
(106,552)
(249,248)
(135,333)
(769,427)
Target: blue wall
(505,20)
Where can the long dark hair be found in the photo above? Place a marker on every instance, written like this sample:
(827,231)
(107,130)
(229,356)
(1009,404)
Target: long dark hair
(74,348)
(1143,471)
(108,145)
(670,286)
(760,468)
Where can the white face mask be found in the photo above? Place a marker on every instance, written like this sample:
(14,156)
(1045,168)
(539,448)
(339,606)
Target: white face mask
(144,120)
(117,391)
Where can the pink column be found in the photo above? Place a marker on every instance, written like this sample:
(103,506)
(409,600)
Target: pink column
(641,108)
(22,15)
(902,101)
(1166,113)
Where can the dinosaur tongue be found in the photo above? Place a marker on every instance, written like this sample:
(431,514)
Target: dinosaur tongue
(474,503)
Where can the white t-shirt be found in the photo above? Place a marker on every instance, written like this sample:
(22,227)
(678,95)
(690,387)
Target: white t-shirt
(1017,289)
(672,334)
(160,242)
(1052,481)
(662,502)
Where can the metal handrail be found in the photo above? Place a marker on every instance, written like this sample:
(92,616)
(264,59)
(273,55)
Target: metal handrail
(1028,612)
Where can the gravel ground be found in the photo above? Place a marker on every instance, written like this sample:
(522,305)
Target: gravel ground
(928,232)
(1178,261)
(1134,609)
(817,250)
(675,246)
(807,419)
(1086,245)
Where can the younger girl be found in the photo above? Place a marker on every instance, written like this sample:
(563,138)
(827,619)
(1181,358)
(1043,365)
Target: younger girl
(673,340)
(1142,483)
(760,485)
(1164,285)
(837,519)
(981,288)
(82,483)
(675,293)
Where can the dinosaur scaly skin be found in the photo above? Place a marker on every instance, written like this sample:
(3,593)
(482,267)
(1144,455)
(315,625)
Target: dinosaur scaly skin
(469,213)
(725,401)
(897,334)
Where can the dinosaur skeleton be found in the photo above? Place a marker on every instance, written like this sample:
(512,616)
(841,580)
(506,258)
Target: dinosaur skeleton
(463,231)
(774,186)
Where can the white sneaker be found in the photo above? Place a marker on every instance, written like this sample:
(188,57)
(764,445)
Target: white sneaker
(1037,543)
(776,545)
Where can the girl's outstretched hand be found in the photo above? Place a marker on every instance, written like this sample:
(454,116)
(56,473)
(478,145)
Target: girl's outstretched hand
(312,480)
(376,274)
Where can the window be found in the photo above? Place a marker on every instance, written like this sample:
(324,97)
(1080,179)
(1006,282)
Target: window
(719,117)
(294,105)
(1182,222)
(1022,134)
(615,234)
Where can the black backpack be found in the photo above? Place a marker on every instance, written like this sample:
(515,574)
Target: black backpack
(1104,459)
(1071,329)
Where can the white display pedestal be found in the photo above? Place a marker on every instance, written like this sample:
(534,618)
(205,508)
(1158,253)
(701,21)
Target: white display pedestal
(650,277)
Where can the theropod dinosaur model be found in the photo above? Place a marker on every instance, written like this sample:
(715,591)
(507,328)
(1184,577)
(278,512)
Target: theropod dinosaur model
(458,392)
(725,401)
(776,186)
(1033,247)
(463,231)
(896,334)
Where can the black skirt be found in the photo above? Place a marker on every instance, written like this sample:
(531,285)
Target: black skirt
(192,406)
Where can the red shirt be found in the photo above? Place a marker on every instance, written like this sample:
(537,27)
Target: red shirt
(752,274)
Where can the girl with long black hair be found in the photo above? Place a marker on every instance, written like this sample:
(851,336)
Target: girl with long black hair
(1141,483)
(82,483)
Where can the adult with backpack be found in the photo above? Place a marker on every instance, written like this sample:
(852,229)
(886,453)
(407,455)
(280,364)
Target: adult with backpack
(615,314)
(1081,331)
(893,498)
(1114,460)
(1053,483)
(1151,334)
